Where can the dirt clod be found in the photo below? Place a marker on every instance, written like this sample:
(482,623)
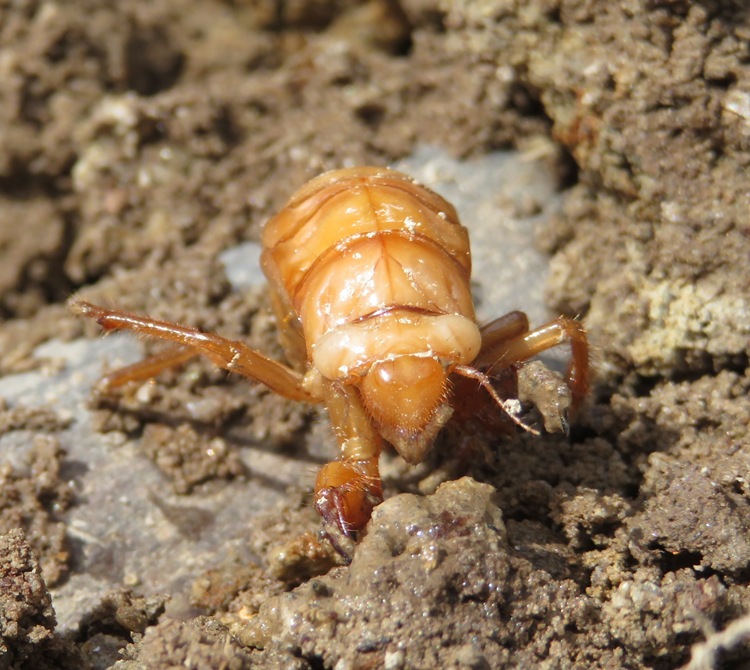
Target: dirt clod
(27,617)
(33,500)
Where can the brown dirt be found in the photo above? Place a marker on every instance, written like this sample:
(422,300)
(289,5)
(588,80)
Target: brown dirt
(138,140)
(33,498)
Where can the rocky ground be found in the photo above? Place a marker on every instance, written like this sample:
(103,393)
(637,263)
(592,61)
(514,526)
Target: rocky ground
(143,142)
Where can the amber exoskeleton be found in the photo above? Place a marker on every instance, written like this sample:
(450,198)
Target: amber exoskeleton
(369,275)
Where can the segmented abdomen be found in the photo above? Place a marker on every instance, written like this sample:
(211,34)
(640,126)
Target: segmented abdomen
(358,242)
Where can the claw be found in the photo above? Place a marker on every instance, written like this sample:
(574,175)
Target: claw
(346,507)
(344,512)
(346,493)
(332,508)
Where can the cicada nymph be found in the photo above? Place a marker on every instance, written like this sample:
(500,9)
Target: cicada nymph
(369,274)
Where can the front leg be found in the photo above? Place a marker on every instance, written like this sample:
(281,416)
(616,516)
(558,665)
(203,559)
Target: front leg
(347,489)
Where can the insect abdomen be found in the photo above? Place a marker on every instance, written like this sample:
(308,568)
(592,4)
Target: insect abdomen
(360,242)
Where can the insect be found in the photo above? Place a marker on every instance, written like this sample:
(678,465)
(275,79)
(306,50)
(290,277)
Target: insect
(369,278)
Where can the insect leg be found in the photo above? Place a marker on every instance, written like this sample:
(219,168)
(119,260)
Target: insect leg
(526,345)
(149,367)
(232,355)
(347,489)
(495,336)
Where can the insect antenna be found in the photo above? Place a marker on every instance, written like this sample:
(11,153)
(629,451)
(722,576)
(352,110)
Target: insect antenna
(510,407)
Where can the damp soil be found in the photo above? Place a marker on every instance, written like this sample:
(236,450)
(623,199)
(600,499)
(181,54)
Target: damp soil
(139,141)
